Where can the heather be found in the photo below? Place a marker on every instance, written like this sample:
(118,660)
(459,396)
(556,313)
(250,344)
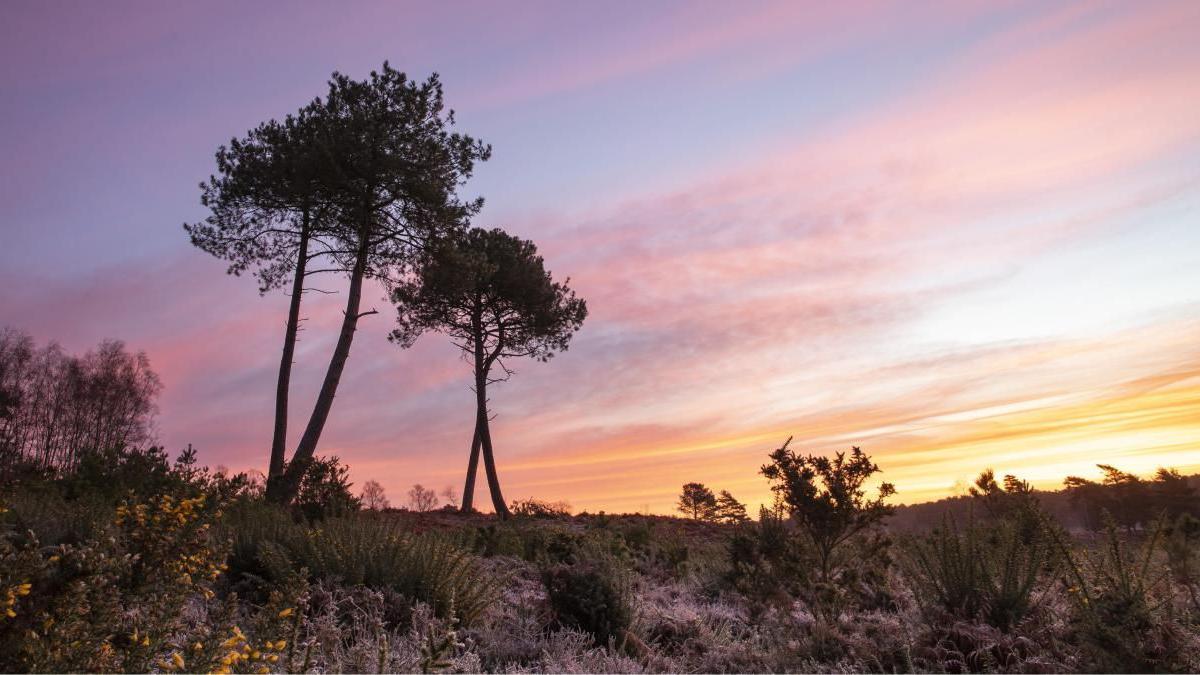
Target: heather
(184,569)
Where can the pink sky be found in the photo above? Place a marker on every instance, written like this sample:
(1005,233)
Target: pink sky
(960,235)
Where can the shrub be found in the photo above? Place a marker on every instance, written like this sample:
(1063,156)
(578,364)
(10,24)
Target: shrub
(638,534)
(324,490)
(768,564)
(362,550)
(544,546)
(114,601)
(826,498)
(493,540)
(989,570)
(593,597)
(536,508)
(1117,595)
(101,479)
(54,519)
(1181,542)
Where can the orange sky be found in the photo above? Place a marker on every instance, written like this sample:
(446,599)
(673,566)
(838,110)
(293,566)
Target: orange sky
(959,235)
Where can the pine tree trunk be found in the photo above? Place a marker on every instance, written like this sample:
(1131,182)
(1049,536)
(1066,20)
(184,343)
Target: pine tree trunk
(279,439)
(468,502)
(290,483)
(482,365)
(489,460)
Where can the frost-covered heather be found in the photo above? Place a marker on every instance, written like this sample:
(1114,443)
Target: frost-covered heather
(689,620)
(199,575)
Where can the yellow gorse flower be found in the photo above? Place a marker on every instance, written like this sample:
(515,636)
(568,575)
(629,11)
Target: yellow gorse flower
(176,662)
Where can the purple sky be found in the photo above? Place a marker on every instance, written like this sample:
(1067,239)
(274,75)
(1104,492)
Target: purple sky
(958,234)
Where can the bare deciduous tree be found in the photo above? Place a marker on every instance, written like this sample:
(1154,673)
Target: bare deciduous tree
(373,496)
(54,406)
(421,498)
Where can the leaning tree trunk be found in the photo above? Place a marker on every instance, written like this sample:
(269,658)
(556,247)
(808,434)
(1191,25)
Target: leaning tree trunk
(289,484)
(482,433)
(468,502)
(485,440)
(279,440)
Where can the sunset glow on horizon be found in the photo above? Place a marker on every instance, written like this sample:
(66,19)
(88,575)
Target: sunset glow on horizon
(958,235)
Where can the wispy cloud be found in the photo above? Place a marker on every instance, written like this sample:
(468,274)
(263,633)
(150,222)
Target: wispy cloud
(987,264)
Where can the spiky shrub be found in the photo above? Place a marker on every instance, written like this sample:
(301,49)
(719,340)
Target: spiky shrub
(363,550)
(538,508)
(768,564)
(494,540)
(1181,542)
(827,504)
(827,500)
(324,490)
(545,546)
(1118,593)
(113,602)
(55,519)
(594,597)
(437,644)
(990,570)
(945,571)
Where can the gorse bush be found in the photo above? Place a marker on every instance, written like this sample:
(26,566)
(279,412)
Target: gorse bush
(545,544)
(593,597)
(822,501)
(324,490)
(101,479)
(112,602)
(827,500)
(768,563)
(373,552)
(1119,594)
(946,570)
(493,540)
(537,508)
(989,569)
(55,520)
(1181,542)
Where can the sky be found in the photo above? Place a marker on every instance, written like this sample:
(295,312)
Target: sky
(959,235)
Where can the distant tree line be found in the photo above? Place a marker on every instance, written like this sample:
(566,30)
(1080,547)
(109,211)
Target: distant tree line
(1132,502)
(1129,501)
(55,407)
